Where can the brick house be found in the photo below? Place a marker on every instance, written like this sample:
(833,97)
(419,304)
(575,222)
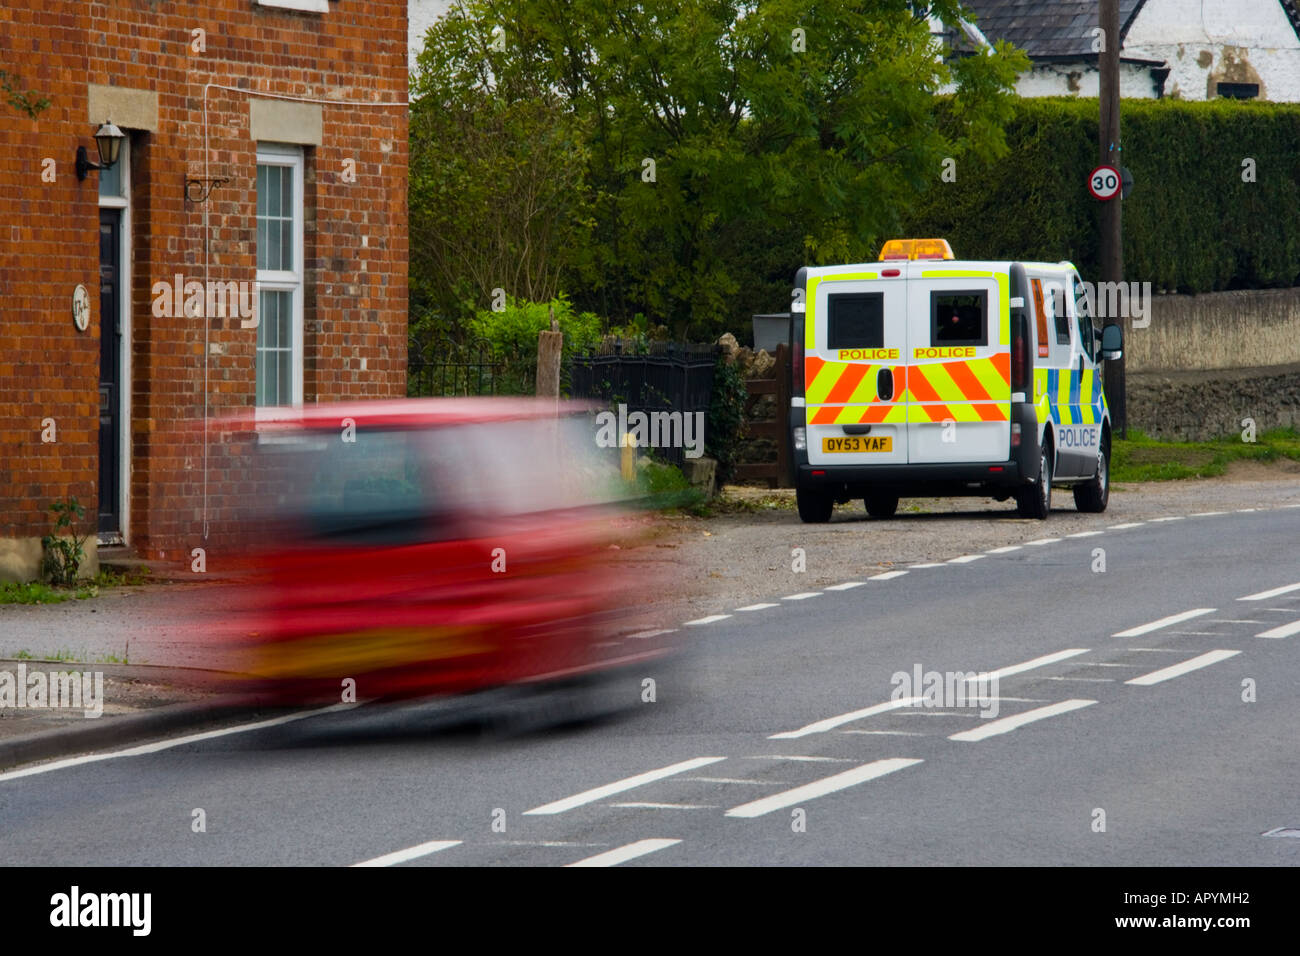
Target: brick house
(248,247)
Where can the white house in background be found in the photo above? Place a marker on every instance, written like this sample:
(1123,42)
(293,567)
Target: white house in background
(420,15)
(1185,49)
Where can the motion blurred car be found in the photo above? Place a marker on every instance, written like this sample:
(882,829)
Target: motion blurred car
(430,546)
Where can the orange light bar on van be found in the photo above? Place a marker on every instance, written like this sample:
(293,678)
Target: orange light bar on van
(915,249)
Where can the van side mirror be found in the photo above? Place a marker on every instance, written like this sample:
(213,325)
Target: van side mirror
(1112,342)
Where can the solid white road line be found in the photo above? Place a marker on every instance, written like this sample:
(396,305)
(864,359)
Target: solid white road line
(624,853)
(401,856)
(1008,724)
(1265,595)
(1177,670)
(1165,622)
(707,620)
(620,786)
(802,596)
(168,744)
(886,575)
(1282,630)
(1029,665)
(1169,518)
(845,586)
(757,607)
(966,559)
(830,723)
(819,788)
(1121,527)
(1007,550)
(1207,514)
(1041,541)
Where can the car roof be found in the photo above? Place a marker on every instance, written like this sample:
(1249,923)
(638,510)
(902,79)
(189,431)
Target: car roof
(414,412)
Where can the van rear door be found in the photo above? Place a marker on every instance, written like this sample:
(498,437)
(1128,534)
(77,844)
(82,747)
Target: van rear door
(855,347)
(959,365)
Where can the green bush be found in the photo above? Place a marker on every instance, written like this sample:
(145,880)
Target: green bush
(64,547)
(512,332)
(725,427)
(1191,223)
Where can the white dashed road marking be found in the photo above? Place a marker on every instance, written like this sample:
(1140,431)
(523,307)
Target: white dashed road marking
(1186,667)
(621,786)
(1008,724)
(624,853)
(885,576)
(1265,595)
(1084,534)
(830,723)
(757,607)
(1165,622)
(1030,665)
(966,559)
(1121,527)
(1282,630)
(413,853)
(802,596)
(707,620)
(819,788)
(1007,550)
(927,564)
(1041,541)
(845,586)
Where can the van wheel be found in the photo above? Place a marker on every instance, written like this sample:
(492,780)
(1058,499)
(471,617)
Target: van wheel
(1092,496)
(1036,500)
(880,505)
(815,507)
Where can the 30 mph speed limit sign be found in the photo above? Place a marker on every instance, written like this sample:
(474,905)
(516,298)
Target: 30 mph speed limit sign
(1104,182)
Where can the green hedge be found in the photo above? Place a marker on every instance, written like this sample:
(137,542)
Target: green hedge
(1191,224)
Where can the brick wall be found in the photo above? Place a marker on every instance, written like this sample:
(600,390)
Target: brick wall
(355,236)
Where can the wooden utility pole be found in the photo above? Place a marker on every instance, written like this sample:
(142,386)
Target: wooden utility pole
(1111,246)
(548,360)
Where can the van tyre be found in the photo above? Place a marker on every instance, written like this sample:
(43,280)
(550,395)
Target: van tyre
(815,507)
(1092,496)
(881,505)
(1035,501)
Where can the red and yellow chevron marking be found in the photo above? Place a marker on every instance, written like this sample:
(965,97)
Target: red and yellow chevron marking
(972,390)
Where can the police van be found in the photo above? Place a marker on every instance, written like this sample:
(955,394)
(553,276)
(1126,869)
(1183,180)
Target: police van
(920,375)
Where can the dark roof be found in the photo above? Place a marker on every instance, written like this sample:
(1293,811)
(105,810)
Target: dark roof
(1046,29)
(1062,29)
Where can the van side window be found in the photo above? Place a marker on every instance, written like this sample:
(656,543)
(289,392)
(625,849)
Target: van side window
(1083,313)
(855,320)
(1062,319)
(959,318)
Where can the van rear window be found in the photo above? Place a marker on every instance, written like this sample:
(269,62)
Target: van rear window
(959,318)
(855,320)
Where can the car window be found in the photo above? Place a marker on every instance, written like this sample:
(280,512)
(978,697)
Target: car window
(1083,315)
(855,320)
(959,318)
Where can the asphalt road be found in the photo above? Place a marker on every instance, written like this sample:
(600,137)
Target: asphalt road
(1116,716)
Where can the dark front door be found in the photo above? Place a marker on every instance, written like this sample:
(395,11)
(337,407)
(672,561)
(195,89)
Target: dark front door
(110,373)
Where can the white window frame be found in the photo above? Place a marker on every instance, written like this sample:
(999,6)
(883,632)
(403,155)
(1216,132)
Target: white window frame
(277,280)
(125,258)
(305,6)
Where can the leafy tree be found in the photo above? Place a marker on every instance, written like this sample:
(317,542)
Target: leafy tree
(726,142)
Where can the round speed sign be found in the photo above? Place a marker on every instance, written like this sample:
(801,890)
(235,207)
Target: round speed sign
(1104,182)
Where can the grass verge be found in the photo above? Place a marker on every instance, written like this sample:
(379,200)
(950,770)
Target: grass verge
(1140,458)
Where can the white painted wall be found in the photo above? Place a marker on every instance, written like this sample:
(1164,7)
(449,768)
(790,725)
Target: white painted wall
(420,16)
(1208,40)
(1057,79)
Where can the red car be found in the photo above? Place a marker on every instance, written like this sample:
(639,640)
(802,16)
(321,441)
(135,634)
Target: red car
(429,546)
